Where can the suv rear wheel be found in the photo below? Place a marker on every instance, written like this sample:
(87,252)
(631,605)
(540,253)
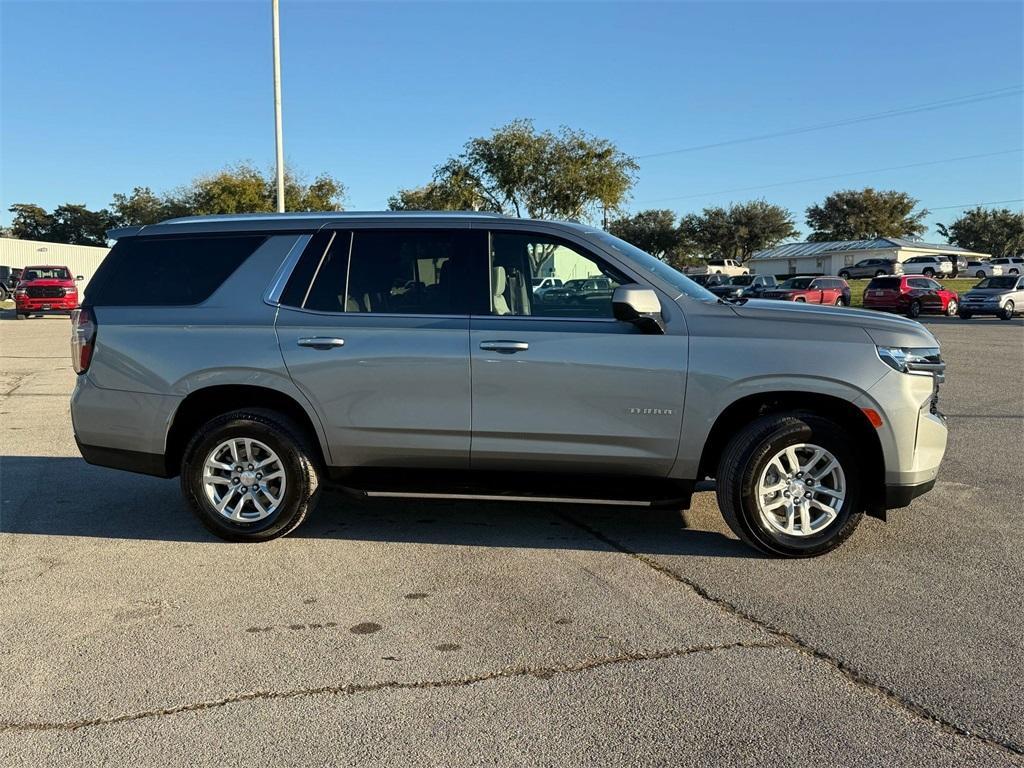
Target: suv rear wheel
(844,274)
(790,485)
(250,475)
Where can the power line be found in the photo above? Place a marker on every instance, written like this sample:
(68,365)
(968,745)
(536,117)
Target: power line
(832,176)
(973,98)
(975,205)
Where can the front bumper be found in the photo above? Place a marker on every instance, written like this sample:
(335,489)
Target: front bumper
(897,496)
(45,306)
(982,307)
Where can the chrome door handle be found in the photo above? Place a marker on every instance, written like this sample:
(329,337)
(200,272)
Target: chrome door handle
(321,342)
(508,347)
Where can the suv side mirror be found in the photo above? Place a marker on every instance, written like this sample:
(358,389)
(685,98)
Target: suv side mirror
(638,305)
(79,277)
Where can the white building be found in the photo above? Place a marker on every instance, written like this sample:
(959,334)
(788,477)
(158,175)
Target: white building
(82,260)
(829,257)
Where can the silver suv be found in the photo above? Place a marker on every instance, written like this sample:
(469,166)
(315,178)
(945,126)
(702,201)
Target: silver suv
(406,355)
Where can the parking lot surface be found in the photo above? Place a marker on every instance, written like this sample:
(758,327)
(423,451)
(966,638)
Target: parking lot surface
(460,634)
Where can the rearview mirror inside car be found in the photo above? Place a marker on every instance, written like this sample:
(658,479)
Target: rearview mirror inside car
(638,305)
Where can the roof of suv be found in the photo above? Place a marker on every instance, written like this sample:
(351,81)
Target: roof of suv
(307,221)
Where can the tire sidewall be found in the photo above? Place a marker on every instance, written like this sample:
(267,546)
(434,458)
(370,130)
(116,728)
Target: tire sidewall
(804,430)
(293,461)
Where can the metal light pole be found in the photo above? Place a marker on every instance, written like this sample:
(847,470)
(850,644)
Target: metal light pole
(277,107)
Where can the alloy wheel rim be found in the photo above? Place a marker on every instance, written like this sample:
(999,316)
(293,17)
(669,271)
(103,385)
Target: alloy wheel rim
(801,490)
(244,480)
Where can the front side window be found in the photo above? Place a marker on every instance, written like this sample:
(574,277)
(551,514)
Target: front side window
(396,272)
(587,282)
(798,283)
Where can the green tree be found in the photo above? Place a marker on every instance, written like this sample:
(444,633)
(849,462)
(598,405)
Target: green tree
(737,232)
(30,222)
(522,172)
(654,231)
(863,214)
(998,231)
(143,206)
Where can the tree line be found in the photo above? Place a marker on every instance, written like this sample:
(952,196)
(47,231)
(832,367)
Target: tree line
(563,174)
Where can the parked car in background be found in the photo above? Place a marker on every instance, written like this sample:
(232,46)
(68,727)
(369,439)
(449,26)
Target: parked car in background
(709,280)
(580,291)
(811,290)
(743,286)
(957,263)
(45,290)
(911,296)
(9,279)
(929,266)
(981,269)
(1000,296)
(542,285)
(1012,265)
(871,268)
(719,267)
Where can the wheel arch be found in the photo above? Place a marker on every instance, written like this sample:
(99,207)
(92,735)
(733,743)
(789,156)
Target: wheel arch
(201,405)
(838,409)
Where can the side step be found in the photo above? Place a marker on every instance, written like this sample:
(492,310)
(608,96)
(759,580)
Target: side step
(500,497)
(541,488)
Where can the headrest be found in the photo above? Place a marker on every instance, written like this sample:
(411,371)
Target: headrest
(498,280)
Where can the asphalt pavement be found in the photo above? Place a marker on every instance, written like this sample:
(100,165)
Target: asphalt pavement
(430,633)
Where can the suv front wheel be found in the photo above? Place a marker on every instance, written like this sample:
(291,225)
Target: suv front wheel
(790,485)
(250,475)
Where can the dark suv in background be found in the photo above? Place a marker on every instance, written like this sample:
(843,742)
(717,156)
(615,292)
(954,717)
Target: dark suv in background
(871,268)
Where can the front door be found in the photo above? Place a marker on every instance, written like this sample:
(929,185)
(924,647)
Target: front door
(559,385)
(374,329)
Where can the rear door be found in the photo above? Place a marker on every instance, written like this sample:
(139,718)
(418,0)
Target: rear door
(374,329)
(559,385)
(925,291)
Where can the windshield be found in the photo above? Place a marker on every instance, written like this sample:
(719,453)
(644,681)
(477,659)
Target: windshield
(645,261)
(998,282)
(798,282)
(46,273)
(741,280)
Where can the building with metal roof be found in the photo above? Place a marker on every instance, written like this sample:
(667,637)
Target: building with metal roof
(82,260)
(828,258)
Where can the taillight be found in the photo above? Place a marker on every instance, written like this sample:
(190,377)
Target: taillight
(83,339)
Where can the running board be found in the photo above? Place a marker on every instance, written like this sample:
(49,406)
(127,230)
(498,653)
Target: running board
(499,497)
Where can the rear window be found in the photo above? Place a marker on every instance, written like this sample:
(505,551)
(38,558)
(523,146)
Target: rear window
(884,284)
(167,271)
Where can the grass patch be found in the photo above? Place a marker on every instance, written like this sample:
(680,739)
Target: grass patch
(857,288)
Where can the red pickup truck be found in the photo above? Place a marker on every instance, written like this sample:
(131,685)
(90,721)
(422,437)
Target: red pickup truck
(811,290)
(45,290)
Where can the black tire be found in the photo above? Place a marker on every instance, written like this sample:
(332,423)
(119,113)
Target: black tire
(800,300)
(952,307)
(928,272)
(838,302)
(980,274)
(747,455)
(914,310)
(1014,271)
(881,273)
(1006,313)
(844,274)
(298,459)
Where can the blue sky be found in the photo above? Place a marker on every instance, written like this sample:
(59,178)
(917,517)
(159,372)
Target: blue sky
(100,97)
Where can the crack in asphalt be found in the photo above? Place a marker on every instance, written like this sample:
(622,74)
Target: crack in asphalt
(790,640)
(348,689)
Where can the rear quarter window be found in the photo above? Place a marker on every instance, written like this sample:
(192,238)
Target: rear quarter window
(884,284)
(167,271)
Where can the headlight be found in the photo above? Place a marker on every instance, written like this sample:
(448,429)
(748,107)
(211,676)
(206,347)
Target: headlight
(912,359)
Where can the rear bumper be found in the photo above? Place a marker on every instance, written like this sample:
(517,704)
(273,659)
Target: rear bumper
(130,461)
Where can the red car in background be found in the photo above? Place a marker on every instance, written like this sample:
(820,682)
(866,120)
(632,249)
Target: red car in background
(811,290)
(45,290)
(910,295)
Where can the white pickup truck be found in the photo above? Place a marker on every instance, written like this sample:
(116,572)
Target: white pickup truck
(719,267)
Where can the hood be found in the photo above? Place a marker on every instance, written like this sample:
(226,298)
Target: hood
(47,282)
(988,292)
(884,329)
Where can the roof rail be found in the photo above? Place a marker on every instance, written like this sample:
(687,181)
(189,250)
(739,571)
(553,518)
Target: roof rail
(118,232)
